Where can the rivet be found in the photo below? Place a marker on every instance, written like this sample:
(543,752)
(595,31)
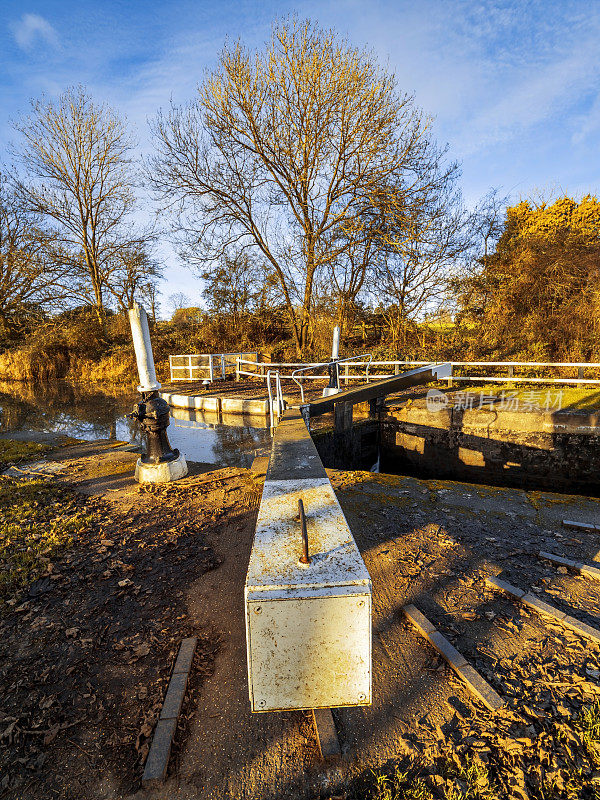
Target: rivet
(262,703)
(361,603)
(258,610)
(362,697)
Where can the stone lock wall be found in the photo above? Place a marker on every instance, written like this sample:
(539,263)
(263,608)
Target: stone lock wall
(535,449)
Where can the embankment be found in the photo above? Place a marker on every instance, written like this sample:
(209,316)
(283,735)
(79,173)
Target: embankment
(40,366)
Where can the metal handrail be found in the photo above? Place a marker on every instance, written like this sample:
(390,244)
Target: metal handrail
(591,364)
(278,393)
(456,378)
(326,364)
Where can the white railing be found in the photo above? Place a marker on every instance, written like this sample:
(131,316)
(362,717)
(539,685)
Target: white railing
(263,367)
(483,367)
(205,366)
(337,363)
(387,369)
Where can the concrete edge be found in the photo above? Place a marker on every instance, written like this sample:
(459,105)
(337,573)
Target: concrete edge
(230,405)
(327,737)
(155,768)
(548,610)
(476,684)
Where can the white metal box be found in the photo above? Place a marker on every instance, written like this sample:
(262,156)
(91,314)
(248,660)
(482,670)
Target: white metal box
(308,628)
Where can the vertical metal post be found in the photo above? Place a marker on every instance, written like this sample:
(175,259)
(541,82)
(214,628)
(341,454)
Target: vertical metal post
(511,371)
(210,366)
(152,411)
(580,373)
(346,373)
(140,333)
(335,346)
(305,557)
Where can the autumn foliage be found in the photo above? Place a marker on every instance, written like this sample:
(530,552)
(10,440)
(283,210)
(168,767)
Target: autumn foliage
(537,295)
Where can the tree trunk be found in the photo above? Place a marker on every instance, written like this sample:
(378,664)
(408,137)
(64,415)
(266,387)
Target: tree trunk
(307,302)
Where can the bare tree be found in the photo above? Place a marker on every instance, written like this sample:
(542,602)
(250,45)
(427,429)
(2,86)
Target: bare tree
(32,274)
(239,286)
(134,272)
(487,222)
(77,160)
(280,149)
(421,242)
(149,294)
(178,301)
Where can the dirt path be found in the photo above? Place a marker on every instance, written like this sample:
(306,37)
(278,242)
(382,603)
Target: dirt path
(86,652)
(429,543)
(85,662)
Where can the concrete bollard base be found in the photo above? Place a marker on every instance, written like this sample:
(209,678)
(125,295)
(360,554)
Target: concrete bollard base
(164,472)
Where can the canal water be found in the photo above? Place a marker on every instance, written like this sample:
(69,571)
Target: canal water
(91,414)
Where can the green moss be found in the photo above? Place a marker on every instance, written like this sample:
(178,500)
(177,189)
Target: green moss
(12,451)
(540,499)
(38,520)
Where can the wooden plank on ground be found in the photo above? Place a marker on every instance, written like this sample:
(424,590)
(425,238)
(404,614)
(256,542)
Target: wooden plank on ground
(326,734)
(155,768)
(472,679)
(546,609)
(580,526)
(587,570)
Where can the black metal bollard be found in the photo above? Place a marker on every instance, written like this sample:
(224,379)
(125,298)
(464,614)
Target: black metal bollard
(152,412)
(334,374)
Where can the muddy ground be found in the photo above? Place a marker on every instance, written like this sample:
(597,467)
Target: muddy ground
(85,654)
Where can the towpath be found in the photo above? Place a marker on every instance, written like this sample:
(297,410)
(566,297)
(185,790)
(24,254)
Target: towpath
(86,659)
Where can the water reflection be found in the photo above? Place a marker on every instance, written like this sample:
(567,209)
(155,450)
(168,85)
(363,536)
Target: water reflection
(227,439)
(93,414)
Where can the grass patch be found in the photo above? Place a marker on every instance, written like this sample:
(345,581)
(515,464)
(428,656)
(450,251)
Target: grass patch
(553,396)
(588,725)
(469,782)
(12,451)
(401,786)
(38,520)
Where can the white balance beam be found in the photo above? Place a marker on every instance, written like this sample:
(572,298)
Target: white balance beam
(308,627)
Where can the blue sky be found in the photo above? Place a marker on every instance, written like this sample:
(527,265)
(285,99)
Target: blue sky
(514,87)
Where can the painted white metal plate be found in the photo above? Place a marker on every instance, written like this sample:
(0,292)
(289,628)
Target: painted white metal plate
(310,652)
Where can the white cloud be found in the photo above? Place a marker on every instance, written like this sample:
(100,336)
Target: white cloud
(32,28)
(546,94)
(587,125)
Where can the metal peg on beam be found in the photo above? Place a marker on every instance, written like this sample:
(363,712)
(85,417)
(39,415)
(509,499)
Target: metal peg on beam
(304,558)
